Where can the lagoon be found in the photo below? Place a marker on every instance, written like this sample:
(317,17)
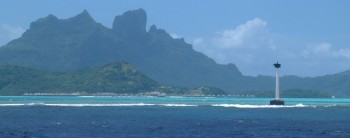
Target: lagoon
(81,116)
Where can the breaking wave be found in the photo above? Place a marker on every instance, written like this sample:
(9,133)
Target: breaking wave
(177,105)
(160,104)
(261,106)
(94,105)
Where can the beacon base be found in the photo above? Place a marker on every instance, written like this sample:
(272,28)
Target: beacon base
(276,102)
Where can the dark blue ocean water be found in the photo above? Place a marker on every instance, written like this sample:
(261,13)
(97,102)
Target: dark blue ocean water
(40,120)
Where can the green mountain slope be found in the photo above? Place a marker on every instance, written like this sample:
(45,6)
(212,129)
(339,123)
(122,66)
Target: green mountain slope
(57,45)
(334,84)
(331,85)
(118,77)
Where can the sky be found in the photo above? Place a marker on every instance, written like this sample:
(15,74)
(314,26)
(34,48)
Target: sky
(308,37)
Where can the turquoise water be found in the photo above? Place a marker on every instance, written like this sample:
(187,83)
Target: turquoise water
(84,116)
(165,101)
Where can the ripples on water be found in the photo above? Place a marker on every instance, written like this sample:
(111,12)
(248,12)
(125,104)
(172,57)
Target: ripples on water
(171,117)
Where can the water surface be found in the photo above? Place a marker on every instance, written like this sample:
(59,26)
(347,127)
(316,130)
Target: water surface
(40,116)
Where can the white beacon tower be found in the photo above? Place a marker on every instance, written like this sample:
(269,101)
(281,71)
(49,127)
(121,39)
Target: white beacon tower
(277,100)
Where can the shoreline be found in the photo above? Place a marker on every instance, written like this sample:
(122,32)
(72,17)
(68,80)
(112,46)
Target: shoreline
(147,94)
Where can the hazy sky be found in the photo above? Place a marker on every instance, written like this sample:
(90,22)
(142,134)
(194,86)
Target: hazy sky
(308,37)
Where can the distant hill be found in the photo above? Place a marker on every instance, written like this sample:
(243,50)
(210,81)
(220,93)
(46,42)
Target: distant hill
(114,78)
(118,77)
(334,84)
(68,45)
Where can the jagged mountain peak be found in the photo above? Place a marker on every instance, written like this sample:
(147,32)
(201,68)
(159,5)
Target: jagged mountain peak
(154,30)
(83,16)
(50,19)
(80,42)
(131,23)
(85,12)
(50,25)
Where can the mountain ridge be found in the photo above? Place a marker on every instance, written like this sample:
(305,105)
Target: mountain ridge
(80,42)
(63,45)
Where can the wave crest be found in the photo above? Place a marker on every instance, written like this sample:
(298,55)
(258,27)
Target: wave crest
(260,106)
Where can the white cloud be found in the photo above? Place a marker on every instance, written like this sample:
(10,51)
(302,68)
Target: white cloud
(253,48)
(8,33)
(245,45)
(326,49)
(343,53)
(322,48)
(175,36)
(253,30)
(316,59)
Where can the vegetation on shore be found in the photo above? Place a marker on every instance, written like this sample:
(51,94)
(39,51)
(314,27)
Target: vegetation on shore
(118,78)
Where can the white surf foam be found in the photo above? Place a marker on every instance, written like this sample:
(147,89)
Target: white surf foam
(76,105)
(260,106)
(12,104)
(22,104)
(167,105)
(179,105)
(138,104)
(95,105)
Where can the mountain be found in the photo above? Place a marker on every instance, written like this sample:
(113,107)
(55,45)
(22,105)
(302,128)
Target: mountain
(294,86)
(52,44)
(79,42)
(117,77)
(68,45)
(333,84)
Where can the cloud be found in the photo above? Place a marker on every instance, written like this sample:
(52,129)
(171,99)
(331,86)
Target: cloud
(322,48)
(253,48)
(175,36)
(343,53)
(8,33)
(245,45)
(243,35)
(325,49)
